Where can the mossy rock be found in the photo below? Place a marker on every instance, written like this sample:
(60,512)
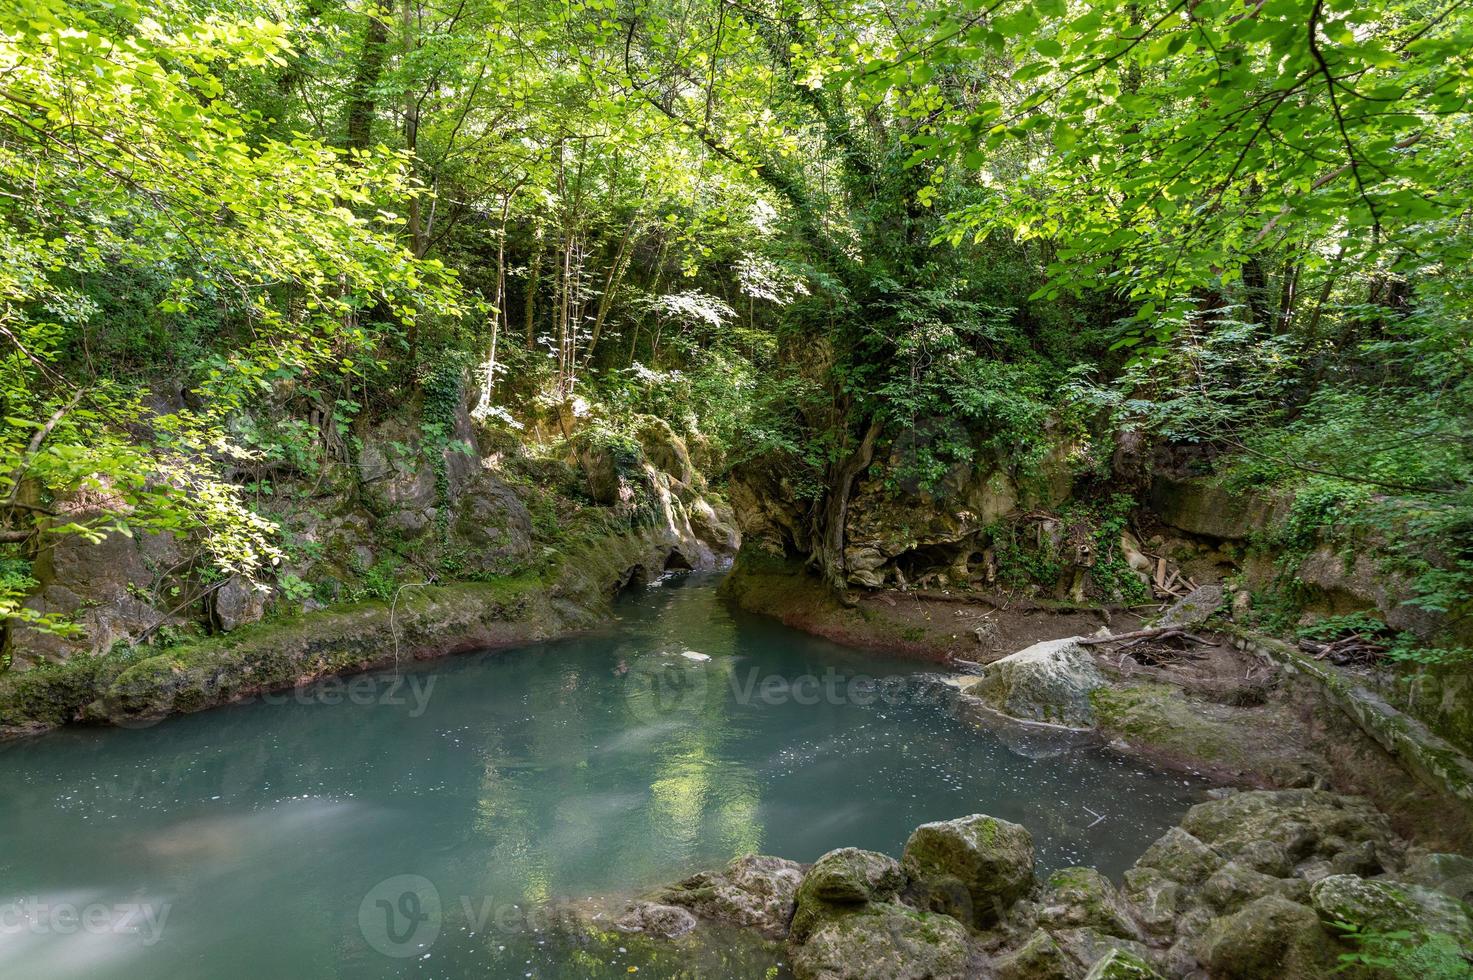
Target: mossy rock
(1120,965)
(1235,884)
(840,880)
(1381,906)
(973,868)
(1040,958)
(1159,717)
(1181,857)
(884,942)
(1084,897)
(1157,899)
(1273,831)
(1269,937)
(1048,682)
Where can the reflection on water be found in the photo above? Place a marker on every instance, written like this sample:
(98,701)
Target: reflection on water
(251,840)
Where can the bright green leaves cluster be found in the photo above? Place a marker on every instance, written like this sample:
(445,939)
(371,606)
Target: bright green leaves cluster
(1178,140)
(122,146)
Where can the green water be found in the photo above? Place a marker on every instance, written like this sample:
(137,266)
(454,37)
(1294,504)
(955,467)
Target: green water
(259,840)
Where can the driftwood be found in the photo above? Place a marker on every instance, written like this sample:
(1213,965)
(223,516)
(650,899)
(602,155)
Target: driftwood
(1351,650)
(1138,636)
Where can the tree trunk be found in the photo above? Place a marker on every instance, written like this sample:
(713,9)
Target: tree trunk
(361,104)
(832,514)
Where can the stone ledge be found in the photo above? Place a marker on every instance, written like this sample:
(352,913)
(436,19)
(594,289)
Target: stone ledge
(1425,754)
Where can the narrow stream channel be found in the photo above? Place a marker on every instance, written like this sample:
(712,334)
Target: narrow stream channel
(259,840)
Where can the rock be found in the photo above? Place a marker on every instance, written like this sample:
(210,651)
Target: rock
(665,450)
(1272,831)
(1269,937)
(1120,965)
(1087,946)
(1451,874)
(654,919)
(973,868)
(1157,899)
(1084,897)
(1181,857)
(842,878)
(1040,958)
(755,890)
(237,603)
(1199,506)
(1048,682)
(852,875)
(1194,608)
(884,942)
(1235,885)
(1379,905)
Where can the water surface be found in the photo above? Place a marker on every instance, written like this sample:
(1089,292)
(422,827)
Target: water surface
(311,836)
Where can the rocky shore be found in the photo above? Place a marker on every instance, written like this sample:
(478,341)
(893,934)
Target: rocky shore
(1292,883)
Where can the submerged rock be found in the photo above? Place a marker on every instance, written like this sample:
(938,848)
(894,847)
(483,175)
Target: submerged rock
(755,890)
(1048,682)
(884,942)
(973,868)
(654,919)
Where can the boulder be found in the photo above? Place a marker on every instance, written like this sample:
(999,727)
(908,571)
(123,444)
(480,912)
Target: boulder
(1120,965)
(755,890)
(1156,898)
(884,942)
(1380,905)
(1049,682)
(1040,958)
(973,868)
(1269,937)
(1181,857)
(665,450)
(1087,946)
(841,879)
(1084,897)
(237,603)
(1235,884)
(1275,831)
(1451,874)
(654,919)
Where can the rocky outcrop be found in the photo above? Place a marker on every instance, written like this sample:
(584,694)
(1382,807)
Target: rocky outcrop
(1201,506)
(105,587)
(1049,682)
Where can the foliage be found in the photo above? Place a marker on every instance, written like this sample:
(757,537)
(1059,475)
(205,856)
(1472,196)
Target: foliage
(1403,955)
